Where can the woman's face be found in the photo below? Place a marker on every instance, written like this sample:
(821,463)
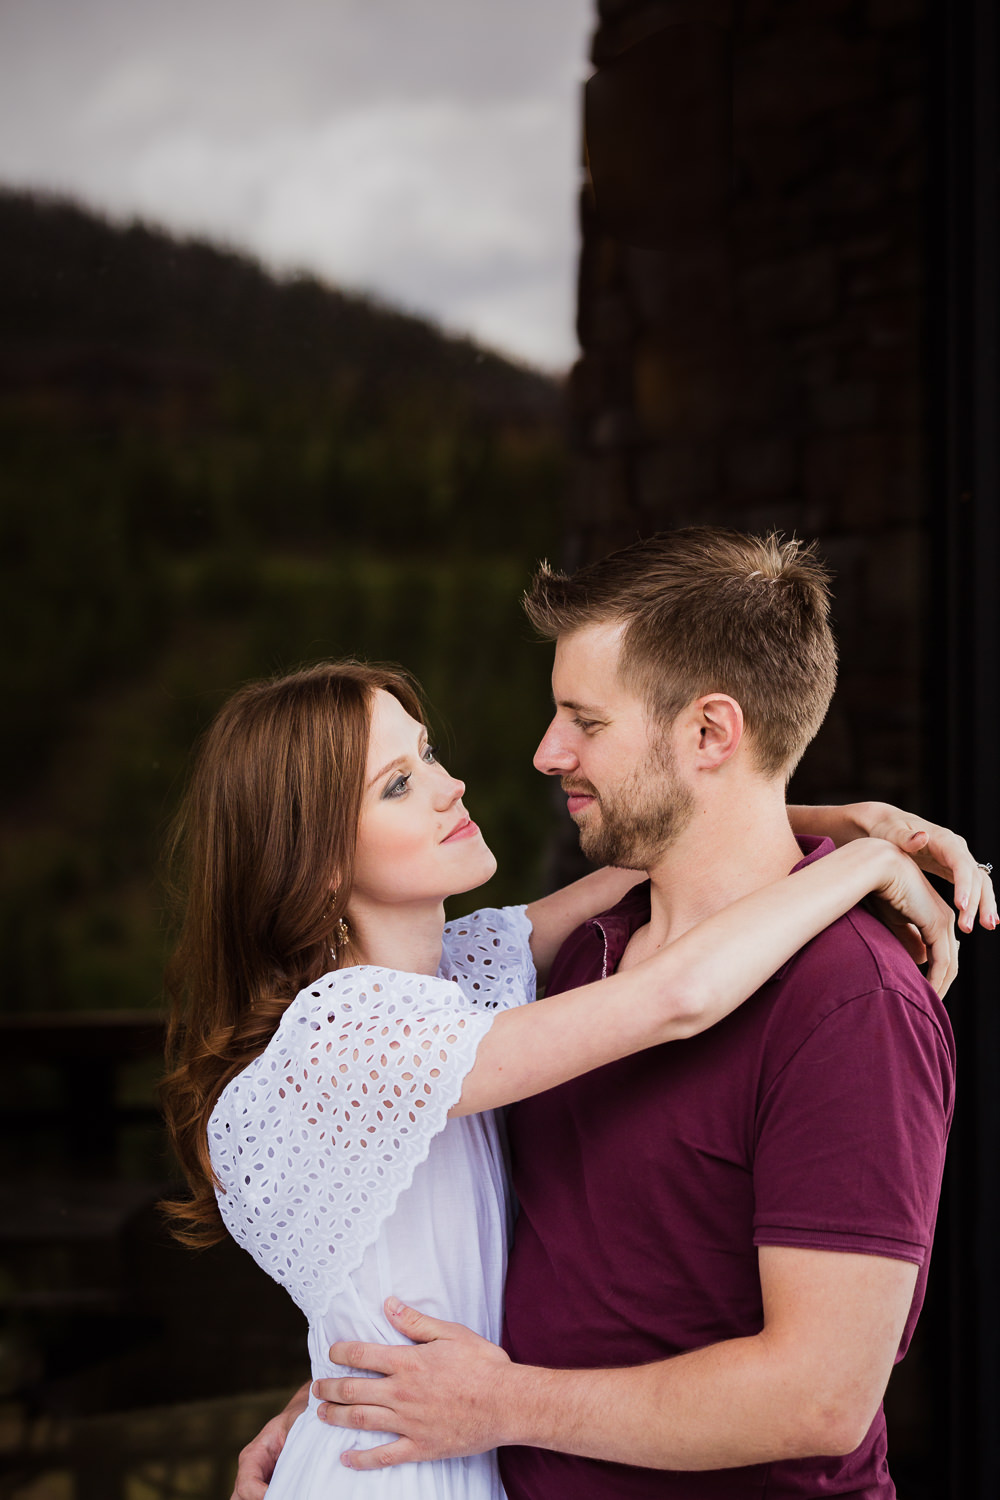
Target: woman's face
(416,843)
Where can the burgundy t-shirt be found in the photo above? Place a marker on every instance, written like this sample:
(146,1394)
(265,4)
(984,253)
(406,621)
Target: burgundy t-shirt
(816,1115)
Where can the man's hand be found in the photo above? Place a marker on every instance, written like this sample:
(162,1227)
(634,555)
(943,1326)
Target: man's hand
(437,1392)
(258,1458)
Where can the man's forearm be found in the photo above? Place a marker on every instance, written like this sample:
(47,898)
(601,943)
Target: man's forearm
(726,1406)
(808,1384)
(297,1403)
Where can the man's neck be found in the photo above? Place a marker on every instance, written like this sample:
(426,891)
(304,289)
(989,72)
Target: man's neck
(725,852)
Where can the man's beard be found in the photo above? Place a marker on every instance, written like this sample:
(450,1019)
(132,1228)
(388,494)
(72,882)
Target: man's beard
(638,821)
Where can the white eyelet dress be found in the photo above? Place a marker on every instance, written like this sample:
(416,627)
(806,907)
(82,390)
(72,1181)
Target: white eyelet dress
(345,1180)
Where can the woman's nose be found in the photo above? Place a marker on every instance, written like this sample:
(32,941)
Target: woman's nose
(451,790)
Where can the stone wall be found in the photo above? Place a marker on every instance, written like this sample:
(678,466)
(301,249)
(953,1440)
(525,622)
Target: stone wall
(751,321)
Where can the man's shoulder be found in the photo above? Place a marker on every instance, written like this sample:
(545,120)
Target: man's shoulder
(854,958)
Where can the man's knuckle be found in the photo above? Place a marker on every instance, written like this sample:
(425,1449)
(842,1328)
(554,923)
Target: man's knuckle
(359,1417)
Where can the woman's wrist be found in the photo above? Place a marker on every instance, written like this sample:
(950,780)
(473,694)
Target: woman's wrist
(864,817)
(843,824)
(872,862)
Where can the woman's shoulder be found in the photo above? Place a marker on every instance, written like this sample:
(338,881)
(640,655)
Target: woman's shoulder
(488,954)
(343,1010)
(368,987)
(359,994)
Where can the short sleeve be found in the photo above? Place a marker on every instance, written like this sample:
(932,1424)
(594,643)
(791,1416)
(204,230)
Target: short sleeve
(851,1133)
(316,1139)
(489,955)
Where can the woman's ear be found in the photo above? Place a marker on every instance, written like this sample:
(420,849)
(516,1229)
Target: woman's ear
(720,730)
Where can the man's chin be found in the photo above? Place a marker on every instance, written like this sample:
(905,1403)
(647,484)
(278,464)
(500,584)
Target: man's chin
(598,849)
(599,852)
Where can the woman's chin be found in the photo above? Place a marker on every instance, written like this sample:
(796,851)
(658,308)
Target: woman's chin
(484,870)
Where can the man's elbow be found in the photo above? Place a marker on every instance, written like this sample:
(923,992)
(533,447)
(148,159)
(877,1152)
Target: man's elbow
(834,1425)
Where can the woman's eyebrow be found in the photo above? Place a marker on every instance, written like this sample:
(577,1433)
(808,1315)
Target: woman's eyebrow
(398,760)
(389,766)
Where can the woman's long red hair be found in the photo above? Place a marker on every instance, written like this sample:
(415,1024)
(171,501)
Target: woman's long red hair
(266,831)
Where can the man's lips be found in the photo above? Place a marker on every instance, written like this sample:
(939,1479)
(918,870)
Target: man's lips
(464,830)
(577,801)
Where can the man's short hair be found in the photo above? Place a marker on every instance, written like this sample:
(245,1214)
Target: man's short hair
(711,610)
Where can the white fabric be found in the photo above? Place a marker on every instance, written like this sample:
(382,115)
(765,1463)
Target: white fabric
(345,1180)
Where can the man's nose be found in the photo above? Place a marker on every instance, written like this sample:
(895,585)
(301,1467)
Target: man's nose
(554,755)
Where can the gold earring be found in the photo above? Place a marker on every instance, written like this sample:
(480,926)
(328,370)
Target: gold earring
(341,931)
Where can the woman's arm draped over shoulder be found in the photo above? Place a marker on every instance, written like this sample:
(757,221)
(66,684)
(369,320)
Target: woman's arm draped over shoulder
(705,974)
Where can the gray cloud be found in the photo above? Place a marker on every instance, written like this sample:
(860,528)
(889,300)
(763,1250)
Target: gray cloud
(426,152)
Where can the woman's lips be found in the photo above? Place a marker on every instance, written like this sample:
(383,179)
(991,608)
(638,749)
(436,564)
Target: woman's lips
(465,830)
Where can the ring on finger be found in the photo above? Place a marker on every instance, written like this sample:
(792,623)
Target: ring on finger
(984,865)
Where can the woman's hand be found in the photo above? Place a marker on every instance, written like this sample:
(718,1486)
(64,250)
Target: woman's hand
(911,908)
(940,852)
(934,848)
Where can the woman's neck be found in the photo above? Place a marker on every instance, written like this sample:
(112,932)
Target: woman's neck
(407,938)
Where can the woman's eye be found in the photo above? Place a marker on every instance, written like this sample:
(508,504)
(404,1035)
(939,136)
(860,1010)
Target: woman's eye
(397,787)
(431,754)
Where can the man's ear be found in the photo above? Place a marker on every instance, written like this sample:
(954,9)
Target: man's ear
(719,720)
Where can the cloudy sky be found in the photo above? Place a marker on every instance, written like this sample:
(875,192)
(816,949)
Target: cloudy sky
(424,149)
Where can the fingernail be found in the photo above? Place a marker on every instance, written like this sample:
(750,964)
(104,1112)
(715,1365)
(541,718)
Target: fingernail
(345,1459)
(393,1305)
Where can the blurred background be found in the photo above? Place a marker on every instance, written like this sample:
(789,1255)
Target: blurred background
(317,329)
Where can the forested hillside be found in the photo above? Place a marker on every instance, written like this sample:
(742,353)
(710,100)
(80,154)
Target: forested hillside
(208,474)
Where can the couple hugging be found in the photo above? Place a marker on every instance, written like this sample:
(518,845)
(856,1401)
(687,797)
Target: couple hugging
(727,1117)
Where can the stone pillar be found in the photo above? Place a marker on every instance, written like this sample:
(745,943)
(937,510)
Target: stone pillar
(751,321)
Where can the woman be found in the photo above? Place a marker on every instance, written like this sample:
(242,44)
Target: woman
(338,1048)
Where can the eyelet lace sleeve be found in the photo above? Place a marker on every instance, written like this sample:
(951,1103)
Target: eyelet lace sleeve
(488,953)
(316,1139)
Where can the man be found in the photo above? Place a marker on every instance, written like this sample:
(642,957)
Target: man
(722,1245)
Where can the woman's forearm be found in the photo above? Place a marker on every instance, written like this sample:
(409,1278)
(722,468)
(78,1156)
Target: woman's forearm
(554,917)
(727,957)
(853,820)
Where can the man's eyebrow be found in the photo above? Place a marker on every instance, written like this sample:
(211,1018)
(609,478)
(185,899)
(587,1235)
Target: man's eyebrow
(398,760)
(580,708)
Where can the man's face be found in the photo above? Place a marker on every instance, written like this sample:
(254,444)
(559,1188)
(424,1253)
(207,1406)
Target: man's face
(625,791)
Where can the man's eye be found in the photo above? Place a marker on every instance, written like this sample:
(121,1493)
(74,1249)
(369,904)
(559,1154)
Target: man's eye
(397,787)
(431,754)
(585,724)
